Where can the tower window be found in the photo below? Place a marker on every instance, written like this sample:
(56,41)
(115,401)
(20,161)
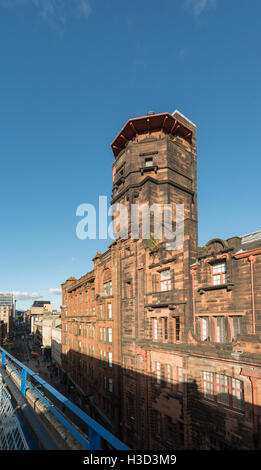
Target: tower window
(148,162)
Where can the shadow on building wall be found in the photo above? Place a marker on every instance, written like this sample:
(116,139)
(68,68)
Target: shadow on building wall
(149,412)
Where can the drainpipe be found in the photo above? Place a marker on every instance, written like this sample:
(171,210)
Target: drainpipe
(253,381)
(193,271)
(252,260)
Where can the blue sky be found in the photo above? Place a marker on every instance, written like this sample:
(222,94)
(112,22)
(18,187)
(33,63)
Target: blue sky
(72,73)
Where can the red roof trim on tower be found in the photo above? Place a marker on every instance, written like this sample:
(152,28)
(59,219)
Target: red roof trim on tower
(150,123)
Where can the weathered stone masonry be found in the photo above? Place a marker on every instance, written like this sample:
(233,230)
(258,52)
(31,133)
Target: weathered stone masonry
(165,345)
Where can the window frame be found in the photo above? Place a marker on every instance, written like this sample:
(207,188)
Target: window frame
(239,319)
(109,335)
(234,386)
(207,320)
(222,274)
(176,328)
(155,329)
(109,311)
(222,327)
(166,280)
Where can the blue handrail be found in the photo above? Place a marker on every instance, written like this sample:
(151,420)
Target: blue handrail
(96,431)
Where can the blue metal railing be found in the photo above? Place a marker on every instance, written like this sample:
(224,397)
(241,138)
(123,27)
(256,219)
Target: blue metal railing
(11,433)
(95,430)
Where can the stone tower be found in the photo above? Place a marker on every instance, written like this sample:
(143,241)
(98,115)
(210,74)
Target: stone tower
(155,163)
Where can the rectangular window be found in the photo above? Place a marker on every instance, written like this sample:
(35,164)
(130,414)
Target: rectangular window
(79,346)
(158,372)
(109,311)
(155,329)
(176,327)
(168,374)
(100,311)
(148,162)
(222,389)
(109,335)
(165,281)
(93,294)
(208,385)
(236,326)
(165,330)
(93,311)
(179,379)
(220,329)
(107,288)
(110,384)
(100,334)
(110,359)
(219,273)
(104,358)
(80,330)
(204,328)
(237,394)
(104,335)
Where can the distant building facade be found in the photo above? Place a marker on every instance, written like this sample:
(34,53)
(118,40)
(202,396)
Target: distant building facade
(7,309)
(165,344)
(39,308)
(56,345)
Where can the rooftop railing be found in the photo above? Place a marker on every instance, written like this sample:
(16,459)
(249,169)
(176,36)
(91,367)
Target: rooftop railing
(95,432)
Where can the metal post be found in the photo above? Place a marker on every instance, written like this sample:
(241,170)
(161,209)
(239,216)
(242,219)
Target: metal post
(23,381)
(94,439)
(3,358)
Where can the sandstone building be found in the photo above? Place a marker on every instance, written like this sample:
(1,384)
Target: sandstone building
(165,344)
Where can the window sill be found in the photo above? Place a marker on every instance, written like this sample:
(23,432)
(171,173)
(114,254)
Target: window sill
(227,286)
(146,169)
(223,407)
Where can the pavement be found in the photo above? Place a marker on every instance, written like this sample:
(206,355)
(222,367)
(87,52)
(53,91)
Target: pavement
(44,371)
(21,348)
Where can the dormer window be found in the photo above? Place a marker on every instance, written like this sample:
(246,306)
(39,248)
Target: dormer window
(148,161)
(219,273)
